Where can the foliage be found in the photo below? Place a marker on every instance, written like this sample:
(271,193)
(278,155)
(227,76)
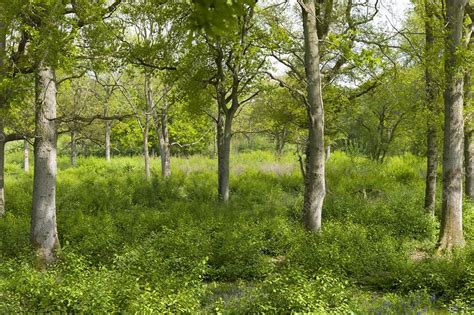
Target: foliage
(167,245)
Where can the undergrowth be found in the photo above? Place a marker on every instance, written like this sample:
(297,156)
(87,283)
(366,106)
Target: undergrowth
(168,246)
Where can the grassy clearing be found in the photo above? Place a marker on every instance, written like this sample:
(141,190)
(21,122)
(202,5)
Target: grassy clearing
(169,246)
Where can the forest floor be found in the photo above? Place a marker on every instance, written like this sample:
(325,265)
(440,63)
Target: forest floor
(168,246)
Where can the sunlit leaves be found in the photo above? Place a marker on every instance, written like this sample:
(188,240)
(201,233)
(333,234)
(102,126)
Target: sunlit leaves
(218,16)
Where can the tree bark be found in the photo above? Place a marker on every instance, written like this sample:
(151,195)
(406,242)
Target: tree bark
(214,143)
(3,39)
(146,131)
(161,124)
(468,139)
(146,127)
(146,153)
(108,127)
(315,189)
(26,160)
(430,90)
(165,150)
(451,231)
(44,236)
(328,152)
(280,139)
(431,170)
(2,171)
(224,137)
(73,149)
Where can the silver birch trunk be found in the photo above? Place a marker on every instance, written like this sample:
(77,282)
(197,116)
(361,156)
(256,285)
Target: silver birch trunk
(451,231)
(44,235)
(26,159)
(314,180)
(430,90)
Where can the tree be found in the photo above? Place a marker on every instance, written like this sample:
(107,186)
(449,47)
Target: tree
(44,235)
(108,82)
(343,44)
(279,115)
(11,86)
(237,63)
(50,30)
(138,94)
(468,137)
(156,45)
(468,98)
(3,39)
(431,106)
(315,185)
(451,232)
(386,114)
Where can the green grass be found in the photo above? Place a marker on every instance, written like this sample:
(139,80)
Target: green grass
(168,246)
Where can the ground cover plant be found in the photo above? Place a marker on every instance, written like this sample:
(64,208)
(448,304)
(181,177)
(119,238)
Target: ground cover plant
(168,245)
(236,156)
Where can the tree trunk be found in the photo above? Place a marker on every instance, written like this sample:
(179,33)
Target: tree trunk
(26,160)
(2,171)
(165,151)
(328,152)
(214,144)
(108,127)
(161,123)
(44,236)
(146,154)
(315,189)
(430,87)
(280,140)
(468,139)
(145,150)
(451,232)
(3,39)
(224,136)
(73,149)
(146,128)
(469,163)
(431,169)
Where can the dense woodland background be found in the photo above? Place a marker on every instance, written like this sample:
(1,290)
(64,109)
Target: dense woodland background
(236,156)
